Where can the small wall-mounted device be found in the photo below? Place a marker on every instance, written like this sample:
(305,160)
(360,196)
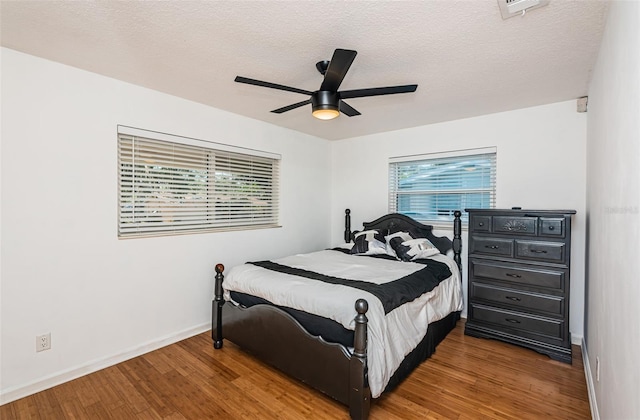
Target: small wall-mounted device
(511,8)
(581,104)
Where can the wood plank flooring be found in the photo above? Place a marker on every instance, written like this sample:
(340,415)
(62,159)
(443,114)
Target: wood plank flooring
(467,378)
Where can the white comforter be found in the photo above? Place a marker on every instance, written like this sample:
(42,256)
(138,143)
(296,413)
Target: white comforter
(390,337)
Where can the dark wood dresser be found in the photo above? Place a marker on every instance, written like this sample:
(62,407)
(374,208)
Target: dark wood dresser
(518,285)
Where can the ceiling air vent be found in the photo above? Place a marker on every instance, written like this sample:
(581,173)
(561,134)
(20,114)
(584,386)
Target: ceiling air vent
(510,8)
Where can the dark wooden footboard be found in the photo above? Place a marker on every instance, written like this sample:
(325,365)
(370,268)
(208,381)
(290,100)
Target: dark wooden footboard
(275,337)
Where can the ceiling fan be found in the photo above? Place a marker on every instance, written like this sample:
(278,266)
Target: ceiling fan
(328,102)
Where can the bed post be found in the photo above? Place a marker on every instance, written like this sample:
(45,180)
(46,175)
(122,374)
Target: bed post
(347,225)
(359,392)
(216,314)
(457,238)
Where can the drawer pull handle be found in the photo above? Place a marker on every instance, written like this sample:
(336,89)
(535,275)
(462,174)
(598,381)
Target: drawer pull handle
(480,224)
(511,320)
(515,276)
(538,251)
(551,227)
(513,298)
(492,246)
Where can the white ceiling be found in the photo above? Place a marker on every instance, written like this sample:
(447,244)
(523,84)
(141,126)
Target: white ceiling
(465,58)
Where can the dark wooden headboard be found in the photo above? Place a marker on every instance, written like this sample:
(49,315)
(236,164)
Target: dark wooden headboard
(396,222)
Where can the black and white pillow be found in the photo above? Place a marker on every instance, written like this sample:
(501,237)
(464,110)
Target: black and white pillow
(369,242)
(394,240)
(416,249)
(407,248)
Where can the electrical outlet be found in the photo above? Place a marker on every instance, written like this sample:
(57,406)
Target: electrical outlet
(597,369)
(43,342)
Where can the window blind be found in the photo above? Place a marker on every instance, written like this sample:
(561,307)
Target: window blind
(431,188)
(170,188)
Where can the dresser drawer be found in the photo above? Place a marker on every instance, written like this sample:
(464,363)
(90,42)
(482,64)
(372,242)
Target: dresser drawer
(511,320)
(518,299)
(541,251)
(515,225)
(480,224)
(552,226)
(492,246)
(518,274)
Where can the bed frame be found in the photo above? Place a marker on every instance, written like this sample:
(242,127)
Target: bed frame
(276,338)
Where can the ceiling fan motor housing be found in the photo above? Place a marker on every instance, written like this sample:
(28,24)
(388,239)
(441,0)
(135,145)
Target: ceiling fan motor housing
(324,99)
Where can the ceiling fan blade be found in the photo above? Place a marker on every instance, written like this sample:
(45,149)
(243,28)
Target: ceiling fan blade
(361,93)
(348,110)
(290,107)
(248,81)
(338,67)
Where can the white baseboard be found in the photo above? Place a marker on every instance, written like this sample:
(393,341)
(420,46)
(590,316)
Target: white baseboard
(590,388)
(16,393)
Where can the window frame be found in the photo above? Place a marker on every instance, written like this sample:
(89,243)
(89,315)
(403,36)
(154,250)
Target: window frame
(451,158)
(173,185)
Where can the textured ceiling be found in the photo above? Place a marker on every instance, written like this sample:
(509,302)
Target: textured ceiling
(465,58)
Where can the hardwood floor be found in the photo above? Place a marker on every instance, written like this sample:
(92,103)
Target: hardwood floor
(467,378)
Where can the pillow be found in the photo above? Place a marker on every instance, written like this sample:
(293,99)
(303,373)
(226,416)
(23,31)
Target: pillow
(369,242)
(394,240)
(413,249)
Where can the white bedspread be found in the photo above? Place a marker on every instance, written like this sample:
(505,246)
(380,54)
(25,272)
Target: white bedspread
(390,337)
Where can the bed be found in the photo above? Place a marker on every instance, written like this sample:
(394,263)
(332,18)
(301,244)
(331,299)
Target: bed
(334,318)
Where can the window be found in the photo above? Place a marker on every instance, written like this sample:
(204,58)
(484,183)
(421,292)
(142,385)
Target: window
(430,188)
(171,185)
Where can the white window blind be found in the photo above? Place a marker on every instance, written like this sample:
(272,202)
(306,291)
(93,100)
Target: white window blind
(429,188)
(167,187)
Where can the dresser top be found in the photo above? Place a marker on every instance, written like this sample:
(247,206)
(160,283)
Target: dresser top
(519,211)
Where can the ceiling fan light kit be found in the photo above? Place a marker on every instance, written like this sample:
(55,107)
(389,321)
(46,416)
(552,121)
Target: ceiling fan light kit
(325,114)
(326,103)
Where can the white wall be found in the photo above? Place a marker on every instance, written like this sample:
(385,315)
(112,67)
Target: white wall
(613,205)
(64,271)
(541,161)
